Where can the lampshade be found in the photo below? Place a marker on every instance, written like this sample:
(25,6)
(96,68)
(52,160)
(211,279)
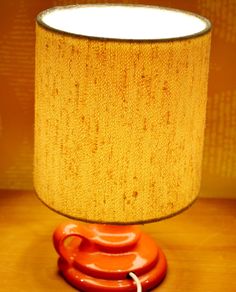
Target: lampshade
(119,111)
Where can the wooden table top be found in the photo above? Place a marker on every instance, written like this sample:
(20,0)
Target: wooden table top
(200,245)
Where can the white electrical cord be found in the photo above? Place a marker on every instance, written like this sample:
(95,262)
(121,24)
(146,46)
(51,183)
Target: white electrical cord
(136,280)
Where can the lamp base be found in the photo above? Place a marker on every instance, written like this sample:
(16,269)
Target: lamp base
(100,257)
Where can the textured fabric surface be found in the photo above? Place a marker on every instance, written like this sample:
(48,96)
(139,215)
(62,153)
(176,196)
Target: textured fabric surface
(17,45)
(119,125)
(17,93)
(219,158)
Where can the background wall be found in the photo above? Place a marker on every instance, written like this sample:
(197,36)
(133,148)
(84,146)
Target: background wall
(17,91)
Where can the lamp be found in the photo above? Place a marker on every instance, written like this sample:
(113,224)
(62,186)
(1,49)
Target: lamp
(119,123)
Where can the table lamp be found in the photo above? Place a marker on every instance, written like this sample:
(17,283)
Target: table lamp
(119,124)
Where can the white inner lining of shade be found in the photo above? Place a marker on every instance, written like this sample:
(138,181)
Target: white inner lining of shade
(124,22)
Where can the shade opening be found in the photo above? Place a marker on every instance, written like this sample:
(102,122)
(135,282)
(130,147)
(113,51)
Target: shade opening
(126,22)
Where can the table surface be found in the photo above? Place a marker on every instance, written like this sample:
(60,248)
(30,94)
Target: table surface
(200,245)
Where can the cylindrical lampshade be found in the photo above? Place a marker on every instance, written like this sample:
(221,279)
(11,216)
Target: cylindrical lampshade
(119,122)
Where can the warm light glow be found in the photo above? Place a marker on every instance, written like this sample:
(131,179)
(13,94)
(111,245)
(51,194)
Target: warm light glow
(119,124)
(124,22)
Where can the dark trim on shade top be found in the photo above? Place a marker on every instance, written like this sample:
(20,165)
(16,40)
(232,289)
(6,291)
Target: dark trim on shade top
(74,35)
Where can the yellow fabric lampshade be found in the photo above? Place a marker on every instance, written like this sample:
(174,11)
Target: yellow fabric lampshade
(17,97)
(119,125)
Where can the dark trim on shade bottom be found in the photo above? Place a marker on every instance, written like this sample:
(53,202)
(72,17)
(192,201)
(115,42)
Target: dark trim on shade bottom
(119,223)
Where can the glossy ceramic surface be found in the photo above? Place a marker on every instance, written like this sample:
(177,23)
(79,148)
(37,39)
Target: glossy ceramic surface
(100,257)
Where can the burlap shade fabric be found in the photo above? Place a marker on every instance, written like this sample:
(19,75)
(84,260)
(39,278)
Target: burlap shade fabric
(119,125)
(17,30)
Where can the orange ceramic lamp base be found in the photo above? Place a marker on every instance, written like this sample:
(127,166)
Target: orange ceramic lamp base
(100,257)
